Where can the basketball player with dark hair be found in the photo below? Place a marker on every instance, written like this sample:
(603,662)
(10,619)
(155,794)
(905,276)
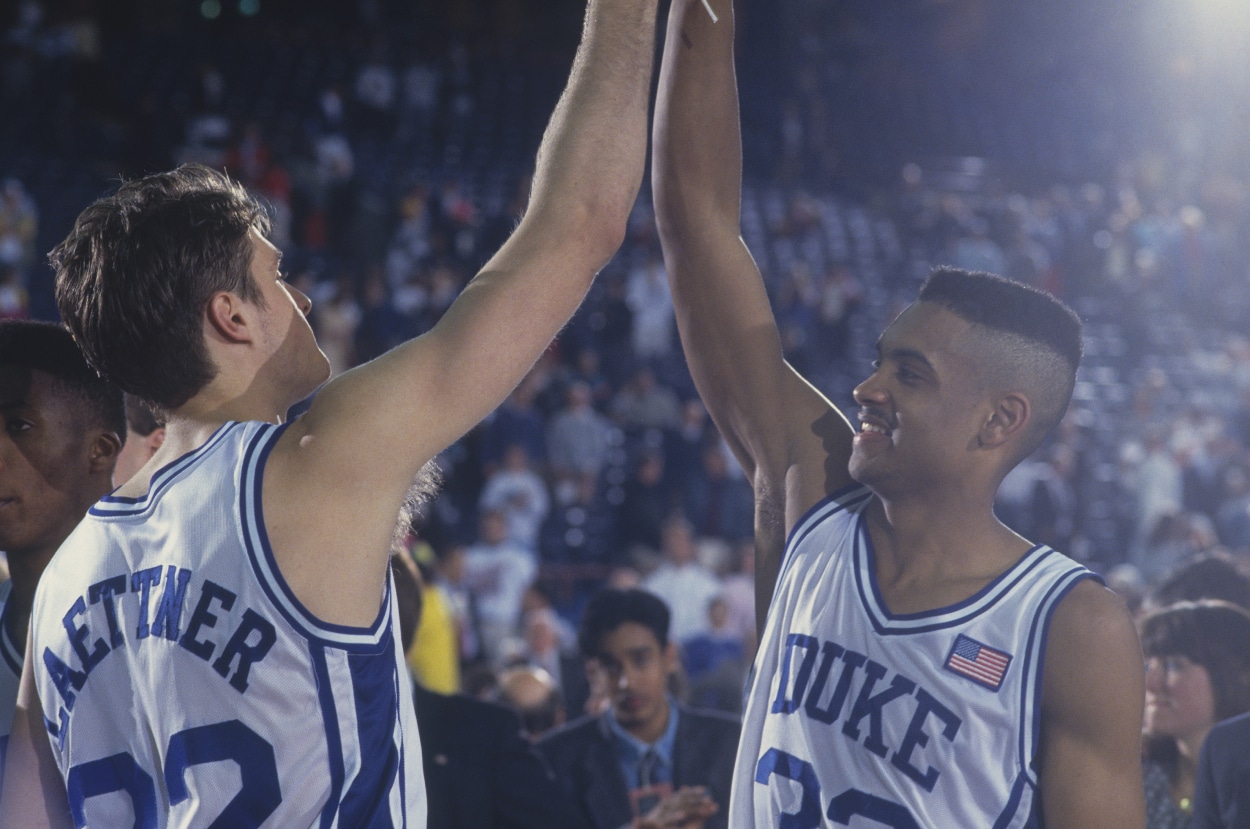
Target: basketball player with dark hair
(216,642)
(63,429)
(919,663)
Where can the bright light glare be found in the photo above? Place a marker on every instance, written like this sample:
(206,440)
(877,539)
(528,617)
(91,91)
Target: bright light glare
(210,9)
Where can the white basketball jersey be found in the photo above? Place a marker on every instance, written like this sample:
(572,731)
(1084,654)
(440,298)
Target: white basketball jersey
(10,673)
(184,685)
(862,718)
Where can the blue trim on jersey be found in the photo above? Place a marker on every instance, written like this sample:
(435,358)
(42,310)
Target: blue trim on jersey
(334,740)
(1035,663)
(1013,803)
(891,624)
(848,497)
(367,802)
(116,506)
(9,650)
(265,566)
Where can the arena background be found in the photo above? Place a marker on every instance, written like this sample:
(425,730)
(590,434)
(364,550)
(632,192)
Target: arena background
(1095,149)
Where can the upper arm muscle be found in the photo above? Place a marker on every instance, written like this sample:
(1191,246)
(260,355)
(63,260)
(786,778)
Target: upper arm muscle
(1093,695)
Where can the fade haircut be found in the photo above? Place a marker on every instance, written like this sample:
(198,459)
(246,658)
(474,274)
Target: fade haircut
(608,609)
(1032,341)
(136,272)
(49,348)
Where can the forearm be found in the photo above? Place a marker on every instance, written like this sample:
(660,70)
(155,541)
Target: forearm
(697,170)
(591,159)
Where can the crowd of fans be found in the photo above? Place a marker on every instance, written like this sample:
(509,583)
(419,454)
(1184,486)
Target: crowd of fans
(603,468)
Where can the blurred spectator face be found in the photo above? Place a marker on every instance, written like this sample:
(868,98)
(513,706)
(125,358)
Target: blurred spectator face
(718,613)
(541,634)
(634,669)
(678,542)
(451,566)
(1179,699)
(493,529)
(515,458)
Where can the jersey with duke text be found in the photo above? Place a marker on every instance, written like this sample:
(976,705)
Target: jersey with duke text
(862,718)
(10,673)
(183,683)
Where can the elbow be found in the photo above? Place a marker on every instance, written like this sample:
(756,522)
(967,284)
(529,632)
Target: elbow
(596,226)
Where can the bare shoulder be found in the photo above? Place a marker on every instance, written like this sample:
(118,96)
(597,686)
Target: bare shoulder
(1093,692)
(1092,647)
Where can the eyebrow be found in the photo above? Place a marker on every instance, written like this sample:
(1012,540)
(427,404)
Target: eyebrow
(904,353)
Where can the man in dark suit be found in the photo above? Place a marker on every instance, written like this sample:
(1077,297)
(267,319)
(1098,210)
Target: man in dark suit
(1222,787)
(480,770)
(648,762)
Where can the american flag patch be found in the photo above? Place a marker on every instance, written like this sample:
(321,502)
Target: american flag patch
(980,663)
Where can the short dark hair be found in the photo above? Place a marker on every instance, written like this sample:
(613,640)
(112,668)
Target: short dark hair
(139,416)
(49,348)
(134,275)
(1214,575)
(1211,633)
(1034,337)
(608,609)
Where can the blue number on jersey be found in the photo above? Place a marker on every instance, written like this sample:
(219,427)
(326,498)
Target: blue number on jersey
(842,808)
(258,797)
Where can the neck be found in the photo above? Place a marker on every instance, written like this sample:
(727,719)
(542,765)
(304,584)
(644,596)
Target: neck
(959,535)
(654,730)
(25,568)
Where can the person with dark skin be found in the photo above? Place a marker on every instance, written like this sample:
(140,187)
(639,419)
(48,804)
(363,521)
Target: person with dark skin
(969,380)
(63,429)
(173,291)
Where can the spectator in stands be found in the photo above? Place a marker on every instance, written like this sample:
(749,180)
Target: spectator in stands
(14,299)
(646,292)
(337,321)
(535,696)
(647,757)
(479,768)
(578,441)
(19,225)
(647,501)
(715,662)
(683,583)
(645,404)
(1222,788)
(519,493)
(496,572)
(517,421)
(544,649)
(1197,673)
(720,502)
(1215,575)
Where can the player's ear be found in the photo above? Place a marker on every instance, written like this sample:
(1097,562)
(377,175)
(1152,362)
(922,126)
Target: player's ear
(103,452)
(1010,415)
(228,318)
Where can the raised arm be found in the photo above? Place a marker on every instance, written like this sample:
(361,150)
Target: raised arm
(1092,699)
(348,462)
(791,441)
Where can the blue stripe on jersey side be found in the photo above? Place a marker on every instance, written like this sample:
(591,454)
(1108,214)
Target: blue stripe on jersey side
(846,498)
(265,566)
(116,506)
(8,649)
(1013,803)
(1035,662)
(334,740)
(889,624)
(367,801)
